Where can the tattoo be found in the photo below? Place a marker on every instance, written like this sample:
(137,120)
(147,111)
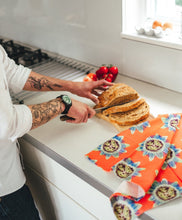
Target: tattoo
(42,82)
(42,113)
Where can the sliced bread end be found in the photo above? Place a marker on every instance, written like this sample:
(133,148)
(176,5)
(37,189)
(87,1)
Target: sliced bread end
(131,117)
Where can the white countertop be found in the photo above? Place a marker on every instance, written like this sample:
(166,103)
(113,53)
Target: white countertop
(72,142)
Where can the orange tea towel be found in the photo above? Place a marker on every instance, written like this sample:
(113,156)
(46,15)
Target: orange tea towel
(148,159)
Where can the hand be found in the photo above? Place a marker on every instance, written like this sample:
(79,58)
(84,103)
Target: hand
(80,112)
(90,89)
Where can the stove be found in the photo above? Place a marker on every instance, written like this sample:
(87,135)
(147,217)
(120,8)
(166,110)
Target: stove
(22,54)
(43,62)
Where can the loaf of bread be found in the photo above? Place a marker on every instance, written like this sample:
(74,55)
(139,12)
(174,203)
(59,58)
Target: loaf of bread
(119,93)
(130,110)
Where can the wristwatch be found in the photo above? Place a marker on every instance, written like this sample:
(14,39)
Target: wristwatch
(67,102)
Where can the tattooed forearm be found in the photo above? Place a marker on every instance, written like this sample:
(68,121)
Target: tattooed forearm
(41,83)
(42,113)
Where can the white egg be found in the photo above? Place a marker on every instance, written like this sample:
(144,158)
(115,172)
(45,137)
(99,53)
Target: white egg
(158,33)
(158,28)
(139,29)
(168,31)
(149,31)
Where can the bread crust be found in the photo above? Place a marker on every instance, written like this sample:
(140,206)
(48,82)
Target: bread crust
(131,117)
(119,93)
(125,107)
(128,118)
(121,127)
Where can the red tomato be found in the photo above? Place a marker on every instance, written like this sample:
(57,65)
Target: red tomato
(113,70)
(104,75)
(101,72)
(110,75)
(90,77)
(109,79)
(103,69)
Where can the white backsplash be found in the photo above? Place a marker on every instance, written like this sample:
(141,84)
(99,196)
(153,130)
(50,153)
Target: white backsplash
(89,30)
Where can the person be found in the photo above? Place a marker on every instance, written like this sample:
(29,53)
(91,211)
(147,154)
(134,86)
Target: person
(16,201)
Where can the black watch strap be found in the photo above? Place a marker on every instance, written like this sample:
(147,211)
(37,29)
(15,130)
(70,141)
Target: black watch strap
(67,102)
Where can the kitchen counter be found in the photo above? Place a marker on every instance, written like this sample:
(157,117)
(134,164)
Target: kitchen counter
(68,143)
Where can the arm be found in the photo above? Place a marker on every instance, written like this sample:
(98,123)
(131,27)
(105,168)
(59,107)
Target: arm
(44,112)
(38,82)
(17,120)
(19,77)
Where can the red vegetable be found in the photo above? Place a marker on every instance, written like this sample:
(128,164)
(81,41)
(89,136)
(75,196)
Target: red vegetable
(102,72)
(113,70)
(110,75)
(109,79)
(90,77)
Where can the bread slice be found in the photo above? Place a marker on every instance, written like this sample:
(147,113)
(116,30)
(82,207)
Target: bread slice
(121,127)
(125,107)
(130,117)
(119,93)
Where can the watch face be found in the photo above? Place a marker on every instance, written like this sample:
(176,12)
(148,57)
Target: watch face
(66,99)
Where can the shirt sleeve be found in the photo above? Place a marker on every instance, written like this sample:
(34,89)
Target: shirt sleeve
(16,120)
(16,75)
(22,122)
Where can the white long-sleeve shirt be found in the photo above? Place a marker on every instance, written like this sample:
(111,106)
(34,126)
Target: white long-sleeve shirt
(15,121)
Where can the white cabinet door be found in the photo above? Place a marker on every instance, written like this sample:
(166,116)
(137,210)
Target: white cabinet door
(52,203)
(95,204)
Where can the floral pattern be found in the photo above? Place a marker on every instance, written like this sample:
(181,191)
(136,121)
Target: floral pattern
(126,169)
(171,122)
(172,157)
(124,209)
(113,147)
(140,127)
(164,191)
(154,146)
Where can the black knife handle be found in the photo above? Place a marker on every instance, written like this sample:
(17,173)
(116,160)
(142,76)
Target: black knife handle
(65,118)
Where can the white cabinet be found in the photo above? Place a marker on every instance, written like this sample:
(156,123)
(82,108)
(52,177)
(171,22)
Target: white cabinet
(52,202)
(59,194)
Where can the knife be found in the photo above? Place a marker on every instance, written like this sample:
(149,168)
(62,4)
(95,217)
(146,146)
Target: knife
(65,117)
(104,108)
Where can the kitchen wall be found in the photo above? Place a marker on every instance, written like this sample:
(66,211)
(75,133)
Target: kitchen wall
(89,30)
